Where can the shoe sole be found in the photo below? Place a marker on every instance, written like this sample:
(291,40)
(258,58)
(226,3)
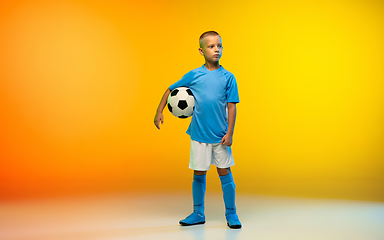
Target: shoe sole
(234,226)
(190,224)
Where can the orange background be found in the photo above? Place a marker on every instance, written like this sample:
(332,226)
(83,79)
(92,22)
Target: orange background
(80,82)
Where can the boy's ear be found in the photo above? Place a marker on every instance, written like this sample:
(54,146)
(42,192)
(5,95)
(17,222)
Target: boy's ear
(201,51)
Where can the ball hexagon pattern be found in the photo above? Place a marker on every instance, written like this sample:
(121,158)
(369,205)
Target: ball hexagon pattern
(181,102)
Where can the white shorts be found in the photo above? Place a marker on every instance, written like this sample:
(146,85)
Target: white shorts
(205,154)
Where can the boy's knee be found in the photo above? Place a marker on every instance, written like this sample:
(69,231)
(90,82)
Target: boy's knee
(223,171)
(199,172)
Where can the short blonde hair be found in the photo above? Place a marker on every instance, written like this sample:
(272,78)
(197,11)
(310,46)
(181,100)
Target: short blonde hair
(207,34)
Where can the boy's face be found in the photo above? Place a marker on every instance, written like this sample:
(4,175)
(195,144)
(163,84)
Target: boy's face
(212,48)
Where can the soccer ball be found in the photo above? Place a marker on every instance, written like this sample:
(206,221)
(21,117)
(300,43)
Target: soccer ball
(181,102)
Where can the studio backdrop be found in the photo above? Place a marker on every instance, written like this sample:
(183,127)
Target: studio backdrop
(80,82)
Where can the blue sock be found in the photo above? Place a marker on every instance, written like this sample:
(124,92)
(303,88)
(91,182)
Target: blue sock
(228,187)
(198,193)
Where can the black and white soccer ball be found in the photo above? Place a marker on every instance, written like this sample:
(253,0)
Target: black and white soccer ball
(181,102)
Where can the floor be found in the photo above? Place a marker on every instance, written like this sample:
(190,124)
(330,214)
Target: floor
(155,216)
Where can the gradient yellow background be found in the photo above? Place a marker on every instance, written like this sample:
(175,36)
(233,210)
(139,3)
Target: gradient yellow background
(80,82)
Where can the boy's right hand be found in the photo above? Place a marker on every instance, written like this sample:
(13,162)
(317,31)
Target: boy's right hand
(159,118)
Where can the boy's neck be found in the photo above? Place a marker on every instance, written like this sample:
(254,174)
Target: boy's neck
(212,66)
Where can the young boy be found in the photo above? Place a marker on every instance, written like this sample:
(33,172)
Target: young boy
(211,127)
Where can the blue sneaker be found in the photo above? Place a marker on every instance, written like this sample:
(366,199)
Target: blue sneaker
(193,219)
(233,221)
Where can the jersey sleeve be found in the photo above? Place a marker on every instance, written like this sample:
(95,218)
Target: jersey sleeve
(231,91)
(185,81)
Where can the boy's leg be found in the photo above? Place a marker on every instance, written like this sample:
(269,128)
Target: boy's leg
(200,158)
(198,191)
(228,186)
(198,194)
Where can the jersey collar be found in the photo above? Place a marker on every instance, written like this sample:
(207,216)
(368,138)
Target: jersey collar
(205,69)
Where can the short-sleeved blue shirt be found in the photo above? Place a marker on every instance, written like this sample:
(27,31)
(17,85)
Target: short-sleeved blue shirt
(212,91)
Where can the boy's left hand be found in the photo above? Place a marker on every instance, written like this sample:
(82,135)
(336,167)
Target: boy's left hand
(227,140)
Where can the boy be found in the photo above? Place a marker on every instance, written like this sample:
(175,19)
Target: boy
(211,127)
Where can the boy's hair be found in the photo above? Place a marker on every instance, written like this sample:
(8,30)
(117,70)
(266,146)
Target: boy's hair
(207,34)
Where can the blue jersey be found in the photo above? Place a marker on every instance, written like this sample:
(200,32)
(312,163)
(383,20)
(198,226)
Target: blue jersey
(212,91)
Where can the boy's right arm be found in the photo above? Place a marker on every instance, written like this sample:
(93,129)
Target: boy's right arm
(159,113)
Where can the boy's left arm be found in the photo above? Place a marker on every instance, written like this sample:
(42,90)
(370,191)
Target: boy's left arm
(227,139)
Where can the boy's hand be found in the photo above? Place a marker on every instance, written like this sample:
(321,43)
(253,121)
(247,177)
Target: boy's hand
(227,140)
(159,118)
